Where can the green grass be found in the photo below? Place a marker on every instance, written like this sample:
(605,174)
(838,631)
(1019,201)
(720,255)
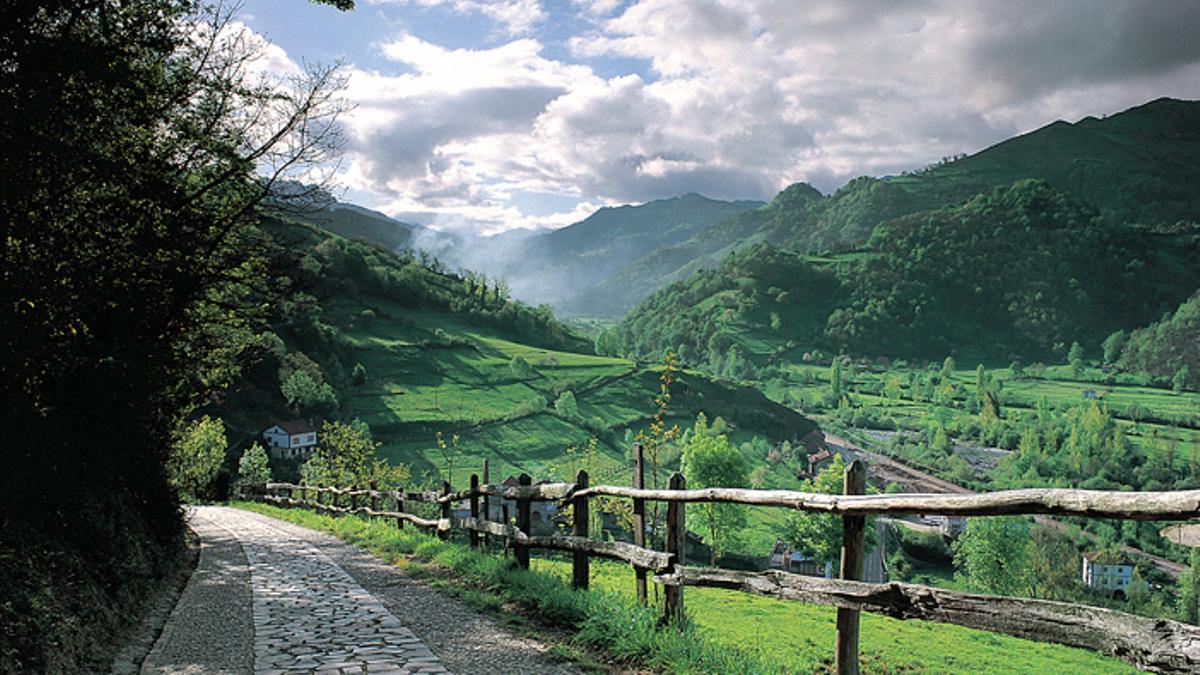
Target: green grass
(731,631)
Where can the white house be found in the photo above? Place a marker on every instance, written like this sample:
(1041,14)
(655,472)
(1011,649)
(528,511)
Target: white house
(1106,572)
(296,438)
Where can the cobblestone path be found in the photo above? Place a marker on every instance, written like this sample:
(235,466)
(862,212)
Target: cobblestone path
(309,615)
(273,597)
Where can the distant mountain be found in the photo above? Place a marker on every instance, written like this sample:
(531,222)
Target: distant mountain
(356,222)
(1141,166)
(559,266)
(1020,271)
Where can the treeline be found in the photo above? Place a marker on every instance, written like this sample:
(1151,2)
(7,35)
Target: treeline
(132,282)
(1168,350)
(1018,272)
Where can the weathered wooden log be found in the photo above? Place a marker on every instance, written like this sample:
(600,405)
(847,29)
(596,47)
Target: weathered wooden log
(341,510)
(474,539)
(676,545)
(1156,645)
(1174,505)
(580,569)
(854,482)
(446,510)
(615,550)
(486,505)
(639,517)
(547,492)
(524,524)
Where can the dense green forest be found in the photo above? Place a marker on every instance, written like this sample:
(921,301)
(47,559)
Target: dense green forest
(132,284)
(1019,272)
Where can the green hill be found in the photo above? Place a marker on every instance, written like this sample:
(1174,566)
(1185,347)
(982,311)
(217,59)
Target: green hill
(1141,166)
(559,267)
(355,222)
(1020,271)
(437,354)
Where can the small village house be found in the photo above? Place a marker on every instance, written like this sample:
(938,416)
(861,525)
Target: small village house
(542,514)
(292,439)
(1106,571)
(784,558)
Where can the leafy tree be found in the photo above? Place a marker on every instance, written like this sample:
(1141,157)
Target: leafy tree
(359,374)
(566,406)
(819,535)
(520,368)
(1179,380)
(708,460)
(1112,346)
(253,467)
(947,371)
(1075,359)
(1188,590)
(304,395)
(776,323)
(450,452)
(196,456)
(130,274)
(346,457)
(994,555)
(836,386)
(1054,564)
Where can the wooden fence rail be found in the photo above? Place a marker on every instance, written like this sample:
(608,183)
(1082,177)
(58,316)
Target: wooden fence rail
(1158,645)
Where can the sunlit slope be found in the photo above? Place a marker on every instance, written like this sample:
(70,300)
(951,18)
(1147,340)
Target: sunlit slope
(441,356)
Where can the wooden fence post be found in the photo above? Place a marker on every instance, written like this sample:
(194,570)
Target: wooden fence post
(580,568)
(445,511)
(374,497)
(353,499)
(400,508)
(487,510)
(853,543)
(639,516)
(676,544)
(524,521)
(507,522)
(475,508)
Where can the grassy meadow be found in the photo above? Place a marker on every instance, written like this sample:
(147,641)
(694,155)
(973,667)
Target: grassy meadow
(730,632)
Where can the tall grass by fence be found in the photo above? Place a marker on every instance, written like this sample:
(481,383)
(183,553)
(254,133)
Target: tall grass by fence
(1157,645)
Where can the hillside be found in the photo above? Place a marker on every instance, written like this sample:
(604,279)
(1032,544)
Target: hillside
(559,267)
(355,222)
(437,355)
(1168,349)
(1140,166)
(1021,271)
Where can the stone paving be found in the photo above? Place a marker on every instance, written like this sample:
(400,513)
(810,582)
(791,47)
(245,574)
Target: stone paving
(310,616)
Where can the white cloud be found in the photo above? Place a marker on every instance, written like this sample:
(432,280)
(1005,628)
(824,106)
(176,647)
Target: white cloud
(519,17)
(738,98)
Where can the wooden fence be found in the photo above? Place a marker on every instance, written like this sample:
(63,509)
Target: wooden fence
(1157,645)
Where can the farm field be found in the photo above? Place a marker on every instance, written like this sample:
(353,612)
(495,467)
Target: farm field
(799,638)
(433,372)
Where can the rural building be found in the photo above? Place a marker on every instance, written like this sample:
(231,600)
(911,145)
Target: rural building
(293,439)
(784,558)
(542,514)
(949,526)
(1106,571)
(818,461)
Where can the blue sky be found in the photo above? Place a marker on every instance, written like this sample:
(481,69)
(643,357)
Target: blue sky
(488,115)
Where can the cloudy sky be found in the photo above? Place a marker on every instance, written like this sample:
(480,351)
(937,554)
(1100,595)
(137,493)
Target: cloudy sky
(493,114)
